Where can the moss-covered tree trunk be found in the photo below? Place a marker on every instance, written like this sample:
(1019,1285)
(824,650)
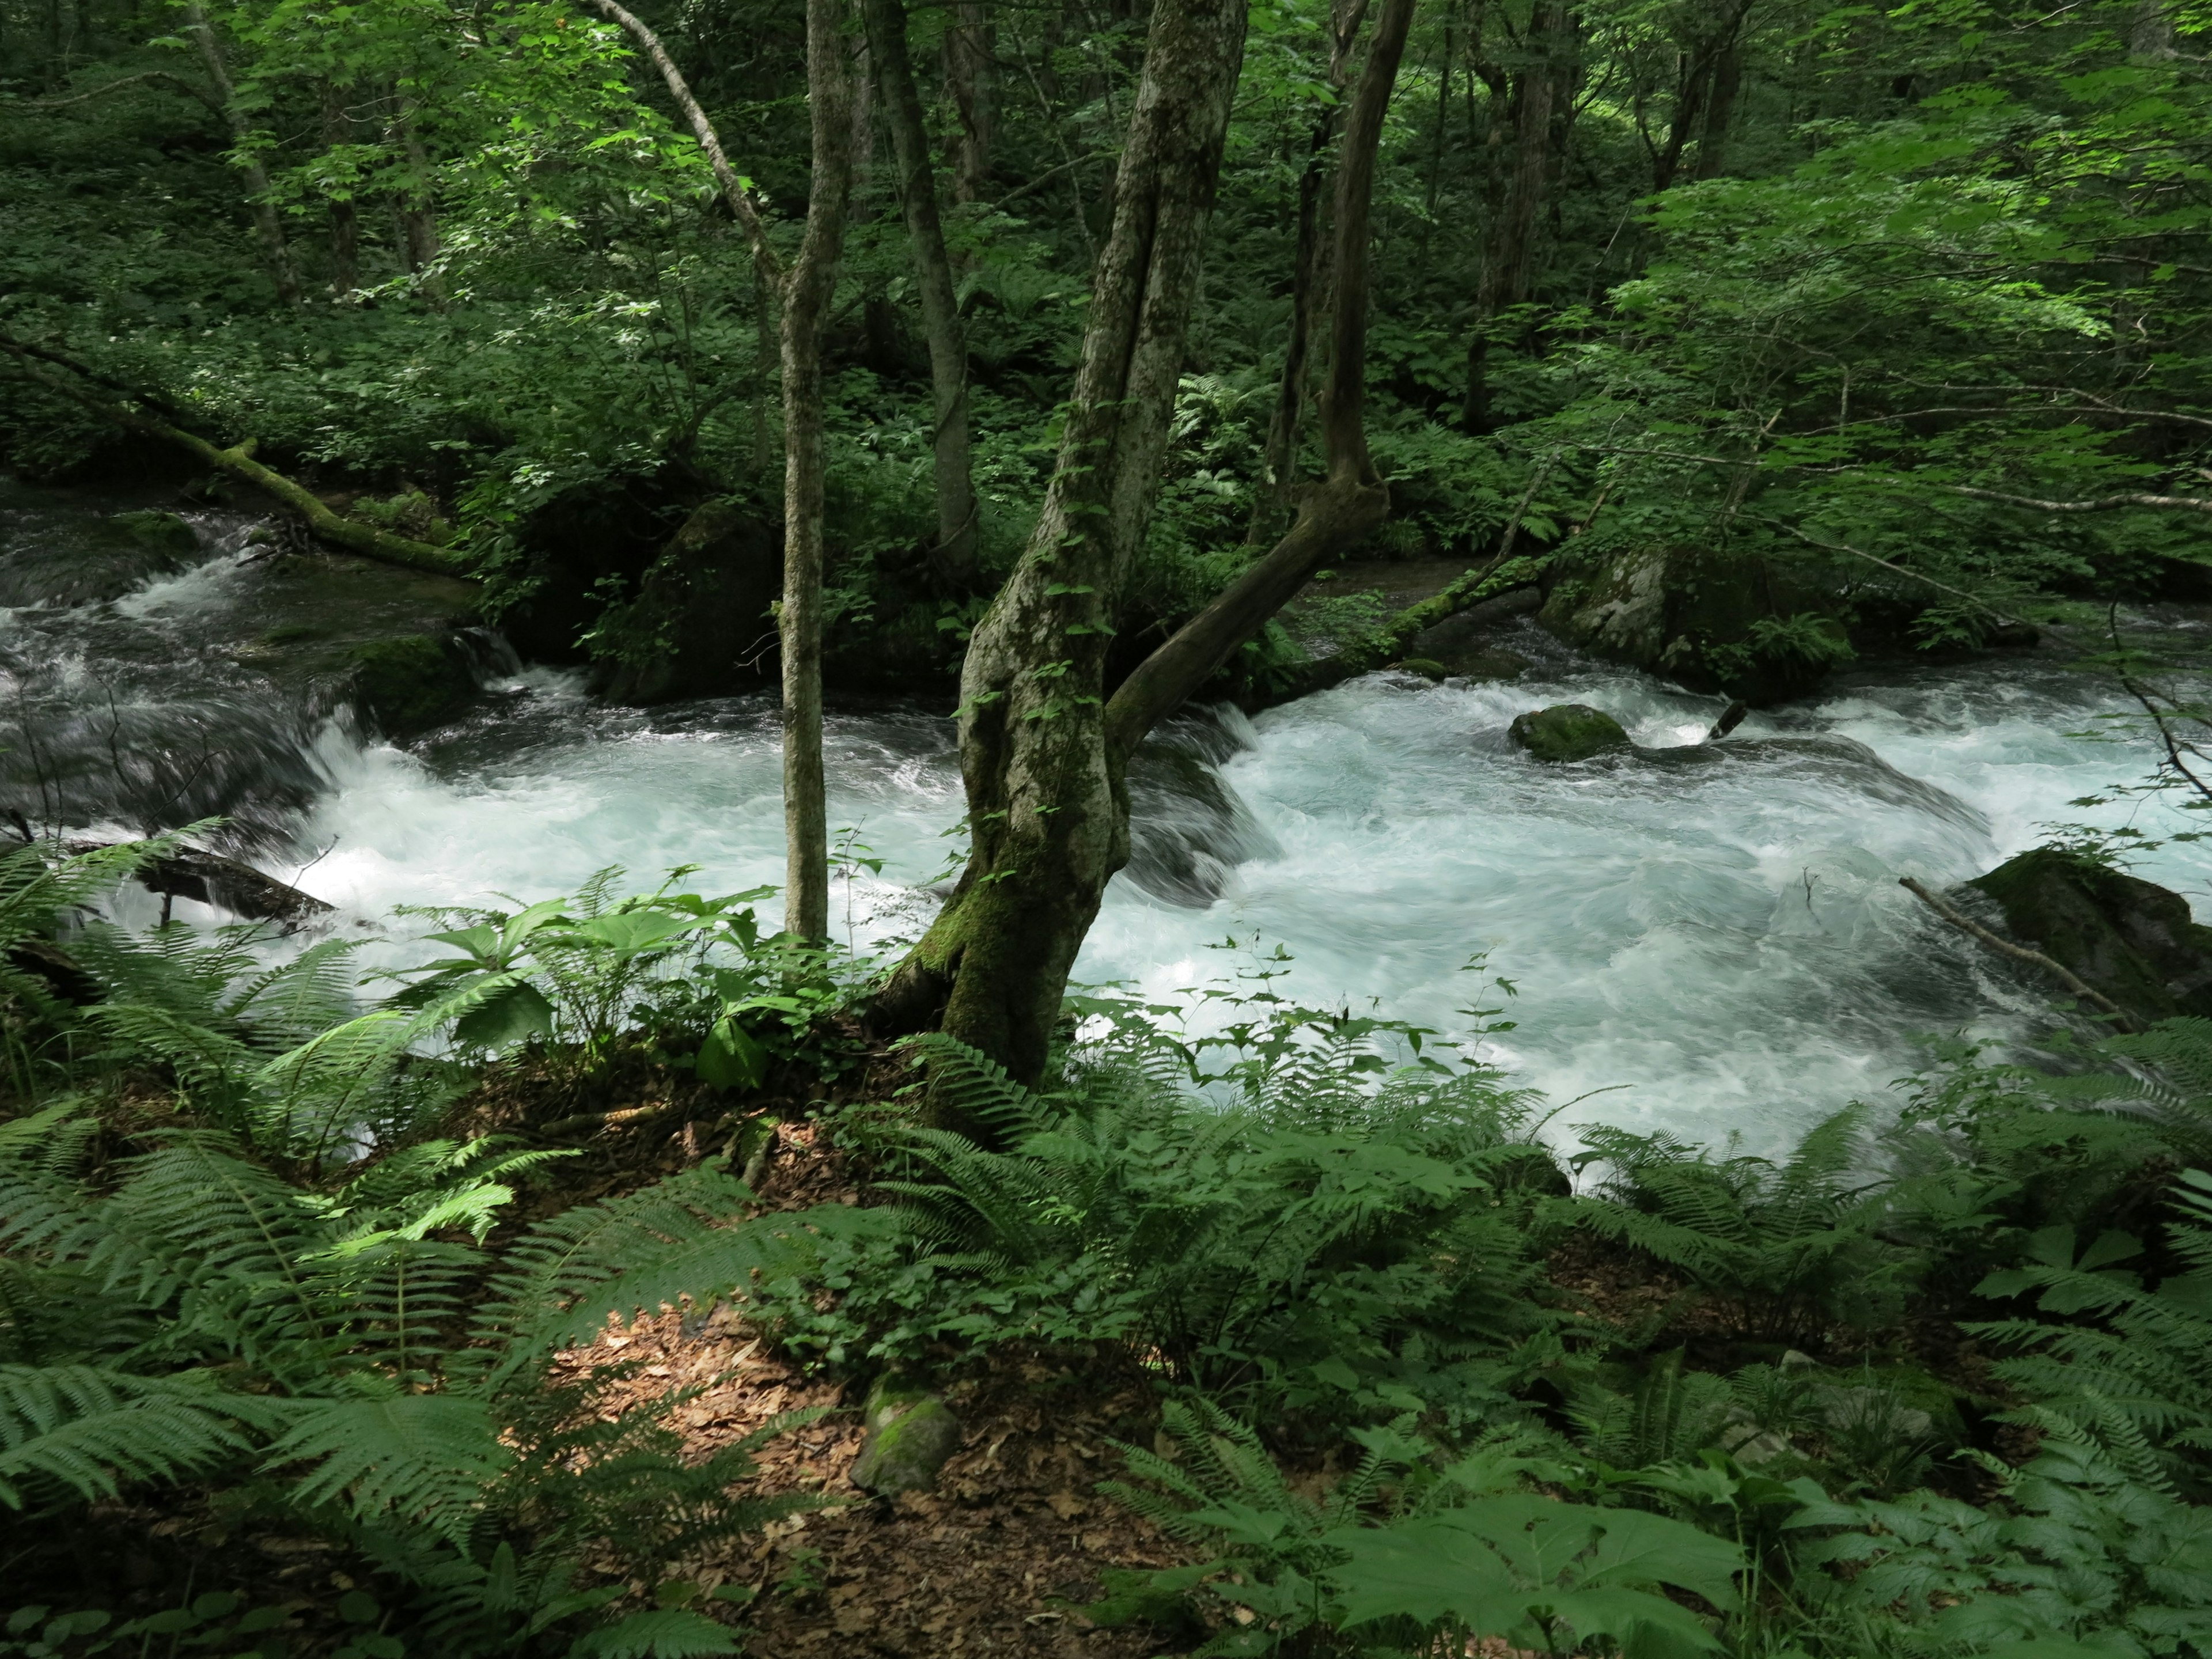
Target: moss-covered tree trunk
(1042,753)
(1048,810)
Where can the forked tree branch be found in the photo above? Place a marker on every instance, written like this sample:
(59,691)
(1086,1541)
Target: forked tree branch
(1350,501)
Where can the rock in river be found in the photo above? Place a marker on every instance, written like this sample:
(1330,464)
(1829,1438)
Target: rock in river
(1567,732)
(2133,940)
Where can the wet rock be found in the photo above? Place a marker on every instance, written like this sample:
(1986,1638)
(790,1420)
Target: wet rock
(164,532)
(2133,940)
(911,1433)
(1567,732)
(85,561)
(700,624)
(1188,830)
(1427,668)
(406,686)
(1758,630)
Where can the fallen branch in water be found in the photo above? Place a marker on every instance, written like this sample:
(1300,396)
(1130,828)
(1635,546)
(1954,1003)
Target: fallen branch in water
(227,884)
(237,462)
(2065,975)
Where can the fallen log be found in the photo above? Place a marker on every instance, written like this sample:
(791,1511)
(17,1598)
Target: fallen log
(237,462)
(227,884)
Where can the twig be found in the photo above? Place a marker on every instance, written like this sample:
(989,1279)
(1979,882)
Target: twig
(2065,975)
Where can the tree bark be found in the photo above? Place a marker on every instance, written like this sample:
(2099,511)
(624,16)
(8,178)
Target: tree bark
(1351,500)
(803,294)
(1510,250)
(1310,281)
(971,80)
(418,210)
(808,290)
(1043,760)
(1720,110)
(1047,808)
(345,218)
(952,561)
(274,253)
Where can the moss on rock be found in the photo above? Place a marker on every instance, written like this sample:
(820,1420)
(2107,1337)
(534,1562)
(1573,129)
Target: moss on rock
(407,685)
(2129,938)
(1567,732)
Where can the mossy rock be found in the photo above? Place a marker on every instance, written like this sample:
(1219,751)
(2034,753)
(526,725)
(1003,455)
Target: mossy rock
(1567,732)
(911,1433)
(407,685)
(1428,668)
(163,532)
(2129,938)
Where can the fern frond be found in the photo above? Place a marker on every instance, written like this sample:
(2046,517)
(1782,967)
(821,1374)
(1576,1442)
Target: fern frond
(89,1430)
(425,1458)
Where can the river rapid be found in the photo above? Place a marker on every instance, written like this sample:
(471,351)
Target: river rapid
(1705,939)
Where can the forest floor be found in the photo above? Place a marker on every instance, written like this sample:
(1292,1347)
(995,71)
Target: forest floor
(1000,1558)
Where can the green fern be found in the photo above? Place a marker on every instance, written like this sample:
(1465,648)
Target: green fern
(1786,1249)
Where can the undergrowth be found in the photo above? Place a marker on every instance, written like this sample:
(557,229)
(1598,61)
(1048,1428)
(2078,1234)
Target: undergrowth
(1935,1384)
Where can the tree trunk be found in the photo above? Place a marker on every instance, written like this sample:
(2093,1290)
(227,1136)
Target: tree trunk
(1043,762)
(808,290)
(1509,251)
(1720,111)
(1309,284)
(418,212)
(952,561)
(1047,805)
(344,214)
(266,225)
(971,80)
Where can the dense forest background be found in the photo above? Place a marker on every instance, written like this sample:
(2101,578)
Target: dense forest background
(1882,320)
(622,1284)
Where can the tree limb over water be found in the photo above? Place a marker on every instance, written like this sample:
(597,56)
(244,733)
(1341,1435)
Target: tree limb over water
(236,462)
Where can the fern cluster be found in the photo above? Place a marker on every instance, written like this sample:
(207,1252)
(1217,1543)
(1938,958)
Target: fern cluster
(1335,1241)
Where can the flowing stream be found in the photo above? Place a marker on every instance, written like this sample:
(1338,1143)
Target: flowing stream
(1711,935)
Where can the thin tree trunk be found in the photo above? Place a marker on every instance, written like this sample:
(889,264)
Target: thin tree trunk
(1309,286)
(418,212)
(803,295)
(808,290)
(344,214)
(1509,257)
(971,79)
(952,560)
(1047,807)
(266,225)
(1351,500)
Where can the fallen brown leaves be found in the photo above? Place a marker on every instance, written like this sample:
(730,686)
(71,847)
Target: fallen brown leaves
(997,1560)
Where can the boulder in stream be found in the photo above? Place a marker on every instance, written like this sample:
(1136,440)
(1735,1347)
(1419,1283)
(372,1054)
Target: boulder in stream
(407,685)
(2133,940)
(1567,732)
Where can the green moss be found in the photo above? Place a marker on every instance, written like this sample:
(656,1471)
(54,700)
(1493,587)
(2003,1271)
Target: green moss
(2132,940)
(1568,731)
(164,532)
(408,685)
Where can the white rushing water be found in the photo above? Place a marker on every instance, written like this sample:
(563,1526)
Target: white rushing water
(1714,938)
(1713,935)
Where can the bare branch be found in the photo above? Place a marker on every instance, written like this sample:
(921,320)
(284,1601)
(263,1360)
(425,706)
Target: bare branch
(2065,975)
(176,82)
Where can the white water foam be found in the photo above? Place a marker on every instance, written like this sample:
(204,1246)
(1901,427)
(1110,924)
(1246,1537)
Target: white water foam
(1722,945)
